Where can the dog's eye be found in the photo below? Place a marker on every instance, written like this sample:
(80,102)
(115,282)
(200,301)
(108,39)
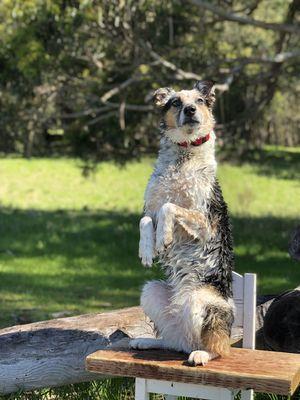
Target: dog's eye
(200,101)
(176,103)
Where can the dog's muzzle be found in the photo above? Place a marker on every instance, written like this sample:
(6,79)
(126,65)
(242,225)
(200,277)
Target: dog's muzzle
(189,117)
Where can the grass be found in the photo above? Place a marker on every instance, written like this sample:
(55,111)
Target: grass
(68,244)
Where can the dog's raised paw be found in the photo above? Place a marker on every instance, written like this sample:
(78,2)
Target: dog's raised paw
(199,357)
(159,247)
(165,226)
(146,258)
(146,252)
(146,245)
(163,239)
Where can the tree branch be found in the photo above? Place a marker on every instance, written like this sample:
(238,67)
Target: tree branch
(102,117)
(86,112)
(181,74)
(106,96)
(246,21)
(136,76)
(277,59)
(115,109)
(131,107)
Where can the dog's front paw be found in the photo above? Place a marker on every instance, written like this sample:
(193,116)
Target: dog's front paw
(165,225)
(146,253)
(163,239)
(199,357)
(146,246)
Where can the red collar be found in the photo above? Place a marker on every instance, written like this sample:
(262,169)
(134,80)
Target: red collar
(197,142)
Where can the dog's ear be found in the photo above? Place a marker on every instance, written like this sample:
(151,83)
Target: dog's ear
(207,89)
(162,95)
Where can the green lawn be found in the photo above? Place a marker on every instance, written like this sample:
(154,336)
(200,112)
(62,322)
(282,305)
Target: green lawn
(69,243)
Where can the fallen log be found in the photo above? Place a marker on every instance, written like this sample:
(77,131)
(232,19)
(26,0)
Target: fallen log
(52,353)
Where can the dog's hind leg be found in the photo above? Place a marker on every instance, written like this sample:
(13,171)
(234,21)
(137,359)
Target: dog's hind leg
(155,299)
(206,319)
(217,328)
(215,334)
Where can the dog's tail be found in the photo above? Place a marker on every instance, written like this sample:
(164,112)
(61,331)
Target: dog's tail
(216,329)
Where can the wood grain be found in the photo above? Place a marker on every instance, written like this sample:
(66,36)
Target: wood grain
(262,371)
(52,353)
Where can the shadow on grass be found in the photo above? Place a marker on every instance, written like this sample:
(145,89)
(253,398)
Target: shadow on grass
(87,261)
(281,163)
(261,246)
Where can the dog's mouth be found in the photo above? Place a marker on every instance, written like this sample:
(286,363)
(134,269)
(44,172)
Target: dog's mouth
(190,121)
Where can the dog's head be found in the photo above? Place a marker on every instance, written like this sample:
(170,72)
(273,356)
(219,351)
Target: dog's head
(187,114)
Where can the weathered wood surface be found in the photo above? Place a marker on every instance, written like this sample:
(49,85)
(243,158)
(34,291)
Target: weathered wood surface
(52,353)
(262,371)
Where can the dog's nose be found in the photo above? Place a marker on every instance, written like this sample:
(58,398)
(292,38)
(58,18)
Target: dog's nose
(189,110)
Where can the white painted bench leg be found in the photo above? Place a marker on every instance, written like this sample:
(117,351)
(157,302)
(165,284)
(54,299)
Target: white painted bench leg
(247,394)
(141,389)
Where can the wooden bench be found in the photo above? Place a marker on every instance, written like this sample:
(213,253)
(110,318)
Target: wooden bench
(263,371)
(158,371)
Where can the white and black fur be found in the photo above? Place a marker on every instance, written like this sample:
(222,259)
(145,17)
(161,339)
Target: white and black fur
(186,226)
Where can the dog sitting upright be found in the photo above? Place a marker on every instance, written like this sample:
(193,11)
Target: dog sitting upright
(186,225)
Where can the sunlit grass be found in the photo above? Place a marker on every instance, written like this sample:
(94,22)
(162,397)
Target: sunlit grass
(69,243)
(58,184)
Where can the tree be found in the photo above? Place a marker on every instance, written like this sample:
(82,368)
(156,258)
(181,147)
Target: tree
(77,76)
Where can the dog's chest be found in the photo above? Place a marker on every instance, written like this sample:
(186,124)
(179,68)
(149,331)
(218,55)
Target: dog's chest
(187,186)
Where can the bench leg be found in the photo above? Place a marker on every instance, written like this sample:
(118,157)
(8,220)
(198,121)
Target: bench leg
(247,394)
(141,389)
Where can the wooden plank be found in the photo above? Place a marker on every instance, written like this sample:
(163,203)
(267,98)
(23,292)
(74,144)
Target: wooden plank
(249,311)
(237,286)
(239,314)
(262,371)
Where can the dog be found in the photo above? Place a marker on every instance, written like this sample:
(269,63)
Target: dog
(186,225)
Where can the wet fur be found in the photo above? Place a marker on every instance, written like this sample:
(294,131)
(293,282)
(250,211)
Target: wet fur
(186,227)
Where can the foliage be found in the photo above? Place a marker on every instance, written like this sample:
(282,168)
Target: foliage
(77,75)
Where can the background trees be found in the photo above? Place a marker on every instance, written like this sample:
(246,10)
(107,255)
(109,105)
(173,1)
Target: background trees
(76,76)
